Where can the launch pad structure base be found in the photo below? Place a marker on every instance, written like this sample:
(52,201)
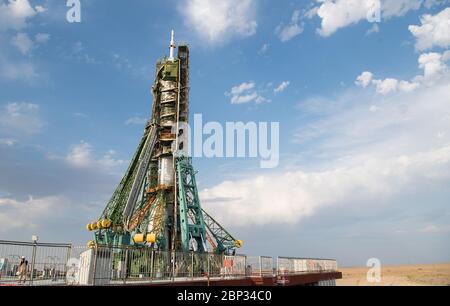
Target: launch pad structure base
(304,279)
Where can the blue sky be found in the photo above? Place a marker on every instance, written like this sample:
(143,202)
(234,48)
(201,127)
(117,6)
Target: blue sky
(363,111)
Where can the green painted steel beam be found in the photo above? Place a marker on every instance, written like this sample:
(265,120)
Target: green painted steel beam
(192,225)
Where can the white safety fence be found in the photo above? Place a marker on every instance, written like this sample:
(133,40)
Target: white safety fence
(289,265)
(64,264)
(259,266)
(101,265)
(27,263)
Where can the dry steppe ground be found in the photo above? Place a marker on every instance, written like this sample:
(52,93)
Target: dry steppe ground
(412,275)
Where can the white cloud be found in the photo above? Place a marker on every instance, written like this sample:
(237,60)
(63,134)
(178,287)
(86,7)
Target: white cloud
(364,79)
(261,99)
(136,120)
(240,99)
(299,194)
(391,85)
(22,42)
(29,215)
(337,14)
(64,196)
(21,117)
(386,86)
(434,69)
(286,33)
(282,86)
(40,9)
(289,32)
(237,90)
(433,31)
(108,160)
(217,21)
(15,13)
(406,86)
(341,13)
(25,44)
(245,93)
(80,155)
(360,156)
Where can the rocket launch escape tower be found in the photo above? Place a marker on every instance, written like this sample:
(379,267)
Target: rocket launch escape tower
(156,203)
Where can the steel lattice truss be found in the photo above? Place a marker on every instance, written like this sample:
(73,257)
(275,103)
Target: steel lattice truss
(157,201)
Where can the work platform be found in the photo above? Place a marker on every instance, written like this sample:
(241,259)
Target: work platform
(302,279)
(51,264)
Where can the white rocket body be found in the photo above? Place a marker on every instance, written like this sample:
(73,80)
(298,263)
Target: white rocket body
(172,46)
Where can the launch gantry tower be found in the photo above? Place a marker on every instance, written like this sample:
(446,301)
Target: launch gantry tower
(156,203)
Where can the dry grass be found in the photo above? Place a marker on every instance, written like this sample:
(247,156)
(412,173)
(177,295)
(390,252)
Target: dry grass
(414,275)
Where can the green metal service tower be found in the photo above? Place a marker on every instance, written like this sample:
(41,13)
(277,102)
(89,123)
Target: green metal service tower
(156,203)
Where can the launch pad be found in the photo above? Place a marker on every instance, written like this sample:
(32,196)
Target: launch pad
(154,225)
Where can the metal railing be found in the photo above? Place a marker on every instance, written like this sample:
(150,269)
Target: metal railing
(64,264)
(259,266)
(290,265)
(101,265)
(46,262)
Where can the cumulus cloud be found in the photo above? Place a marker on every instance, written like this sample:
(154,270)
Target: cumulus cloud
(434,69)
(29,215)
(434,66)
(109,161)
(357,155)
(81,156)
(46,174)
(289,31)
(341,13)
(433,31)
(337,14)
(386,86)
(21,117)
(15,13)
(19,69)
(245,93)
(237,90)
(40,9)
(217,21)
(282,86)
(364,79)
(291,196)
(62,195)
(21,218)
